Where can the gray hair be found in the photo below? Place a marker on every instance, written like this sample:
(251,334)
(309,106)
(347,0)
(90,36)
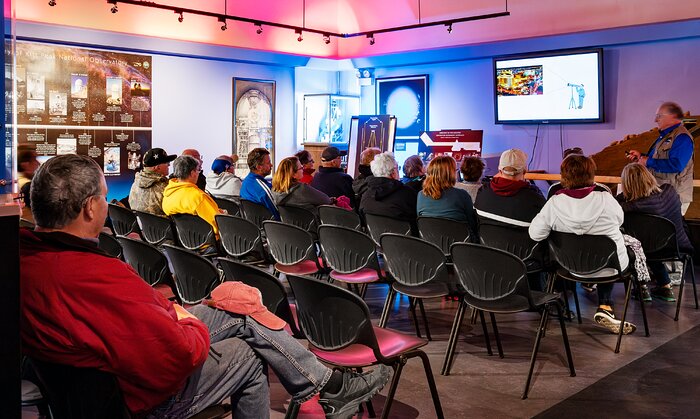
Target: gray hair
(60,188)
(183,166)
(383,164)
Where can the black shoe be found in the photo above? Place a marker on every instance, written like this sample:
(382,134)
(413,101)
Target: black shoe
(607,319)
(646,296)
(663,293)
(357,388)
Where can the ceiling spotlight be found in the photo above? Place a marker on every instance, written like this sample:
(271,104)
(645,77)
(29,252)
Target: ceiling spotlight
(224,26)
(371,39)
(114,7)
(326,39)
(301,37)
(52,3)
(180,18)
(259,30)
(449,28)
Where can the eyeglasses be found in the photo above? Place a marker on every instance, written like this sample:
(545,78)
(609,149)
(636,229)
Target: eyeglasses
(659,115)
(300,168)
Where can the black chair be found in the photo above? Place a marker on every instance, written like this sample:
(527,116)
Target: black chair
(293,248)
(378,225)
(123,220)
(255,213)
(299,217)
(241,240)
(515,240)
(581,255)
(150,263)
(33,396)
(110,245)
(155,229)
(658,237)
(195,276)
(330,214)
(443,232)
(274,297)
(419,269)
(339,329)
(195,234)
(232,207)
(496,282)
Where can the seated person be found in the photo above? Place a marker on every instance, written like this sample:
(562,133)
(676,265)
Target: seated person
(439,197)
(580,209)
(168,361)
(472,170)
(555,187)
(201,180)
(641,193)
(331,179)
(359,185)
(222,182)
(288,189)
(413,173)
(147,190)
(182,196)
(386,195)
(308,163)
(254,187)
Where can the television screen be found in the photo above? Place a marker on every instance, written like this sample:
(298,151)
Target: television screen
(550,87)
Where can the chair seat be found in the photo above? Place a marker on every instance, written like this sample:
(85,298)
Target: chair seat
(563,273)
(362,276)
(391,343)
(31,394)
(430,290)
(305,267)
(510,304)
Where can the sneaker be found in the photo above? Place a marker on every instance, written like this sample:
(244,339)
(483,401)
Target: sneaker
(607,319)
(646,296)
(663,293)
(675,278)
(357,388)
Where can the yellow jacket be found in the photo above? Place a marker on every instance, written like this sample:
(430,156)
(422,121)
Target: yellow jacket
(186,198)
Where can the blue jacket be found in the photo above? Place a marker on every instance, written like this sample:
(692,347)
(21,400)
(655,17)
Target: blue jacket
(256,189)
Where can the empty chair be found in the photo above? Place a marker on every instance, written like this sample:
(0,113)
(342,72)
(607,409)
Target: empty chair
(241,239)
(274,297)
(155,229)
(338,327)
(195,276)
(123,220)
(110,245)
(443,232)
(378,225)
(658,238)
(150,263)
(330,214)
(299,217)
(496,282)
(293,249)
(255,213)
(195,234)
(232,207)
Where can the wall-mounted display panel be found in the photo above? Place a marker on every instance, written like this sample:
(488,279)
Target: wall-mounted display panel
(253,119)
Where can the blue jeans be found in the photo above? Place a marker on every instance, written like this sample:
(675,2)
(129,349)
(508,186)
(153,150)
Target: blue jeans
(660,272)
(241,349)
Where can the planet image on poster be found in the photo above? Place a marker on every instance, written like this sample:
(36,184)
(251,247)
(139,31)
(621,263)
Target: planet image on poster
(405,105)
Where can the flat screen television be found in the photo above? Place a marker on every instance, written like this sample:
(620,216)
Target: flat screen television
(554,87)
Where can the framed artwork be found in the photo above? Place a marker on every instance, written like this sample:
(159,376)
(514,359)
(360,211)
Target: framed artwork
(253,119)
(407,99)
(369,131)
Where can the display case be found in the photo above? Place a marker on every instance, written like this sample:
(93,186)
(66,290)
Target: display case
(327,118)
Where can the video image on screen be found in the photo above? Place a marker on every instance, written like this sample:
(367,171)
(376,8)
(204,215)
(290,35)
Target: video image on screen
(519,81)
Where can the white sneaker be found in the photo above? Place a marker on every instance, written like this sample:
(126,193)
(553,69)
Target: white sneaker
(607,319)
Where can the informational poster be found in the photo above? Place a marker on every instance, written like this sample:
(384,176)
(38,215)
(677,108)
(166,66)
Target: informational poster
(90,102)
(253,119)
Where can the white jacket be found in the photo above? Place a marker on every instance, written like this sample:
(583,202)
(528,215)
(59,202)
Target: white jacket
(596,214)
(224,185)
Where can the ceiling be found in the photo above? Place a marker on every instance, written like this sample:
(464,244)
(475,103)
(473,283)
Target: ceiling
(528,19)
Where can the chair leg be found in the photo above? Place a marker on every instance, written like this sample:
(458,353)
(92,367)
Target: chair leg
(472,317)
(370,409)
(454,336)
(292,410)
(486,333)
(498,337)
(565,294)
(387,306)
(431,384)
(692,278)
(535,348)
(412,307)
(565,337)
(638,287)
(624,315)
(425,319)
(398,367)
(578,307)
(363,290)
(680,296)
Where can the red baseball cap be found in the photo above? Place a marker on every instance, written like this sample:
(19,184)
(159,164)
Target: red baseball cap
(239,298)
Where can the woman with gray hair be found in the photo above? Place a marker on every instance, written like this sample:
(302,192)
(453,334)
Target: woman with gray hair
(385,194)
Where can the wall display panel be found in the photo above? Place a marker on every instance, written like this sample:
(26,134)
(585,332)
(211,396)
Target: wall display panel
(369,131)
(407,99)
(91,102)
(253,119)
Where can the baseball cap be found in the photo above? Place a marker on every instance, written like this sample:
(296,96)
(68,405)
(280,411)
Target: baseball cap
(237,297)
(156,156)
(513,162)
(220,165)
(332,153)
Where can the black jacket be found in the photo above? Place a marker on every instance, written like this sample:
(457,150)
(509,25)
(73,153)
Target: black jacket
(518,207)
(334,182)
(359,185)
(390,198)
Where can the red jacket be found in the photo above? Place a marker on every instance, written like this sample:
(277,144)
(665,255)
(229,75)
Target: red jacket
(83,308)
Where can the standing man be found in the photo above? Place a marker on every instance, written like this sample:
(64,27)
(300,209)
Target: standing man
(201,180)
(670,158)
(147,190)
(331,179)
(255,188)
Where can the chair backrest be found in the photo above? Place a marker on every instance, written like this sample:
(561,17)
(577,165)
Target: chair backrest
(583,254)
(123,220)
(274,297)
(231,207)
(193,232)
(110,245)
(378,225)
(330,214)
(347,250)
(331,317)
(239,237)
(80,393)
(413,261)
(489,274)
(255,213)
(513,239)
(442,232)
(289,244)
(300,217)
(146,259)
(155,229)
(657,235)
(194,275)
